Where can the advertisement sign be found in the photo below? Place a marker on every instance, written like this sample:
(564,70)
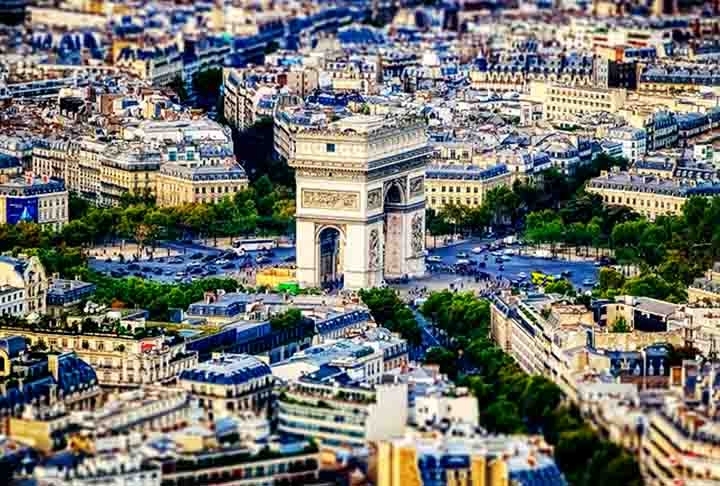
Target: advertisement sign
(21,209)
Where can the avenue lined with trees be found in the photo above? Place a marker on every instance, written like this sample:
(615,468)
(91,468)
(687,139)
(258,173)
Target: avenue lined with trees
(510,401)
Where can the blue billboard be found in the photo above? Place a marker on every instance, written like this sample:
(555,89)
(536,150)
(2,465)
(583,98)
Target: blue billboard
(21,209)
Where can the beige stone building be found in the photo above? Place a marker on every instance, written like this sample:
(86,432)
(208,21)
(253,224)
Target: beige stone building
(23,286)
(127,168)
(460,184)
(647,195)
(117,359)
(182,184)
(506,80)
(562,100)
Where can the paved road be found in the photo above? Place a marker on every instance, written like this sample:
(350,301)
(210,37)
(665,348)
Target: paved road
(518,264)
(163,269)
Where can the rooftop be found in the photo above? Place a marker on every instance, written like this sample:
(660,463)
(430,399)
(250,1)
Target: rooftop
(227,369)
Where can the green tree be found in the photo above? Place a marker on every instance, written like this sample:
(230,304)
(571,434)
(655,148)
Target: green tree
(445,359)
(610,279)
(390,312)
(620,325)
(560,286)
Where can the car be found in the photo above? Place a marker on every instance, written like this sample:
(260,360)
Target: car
(477,250)
(133,266)
(176,260)
(262,260)
(196,256)
(117,274)
(228,266)
(289,259)
(461,254)
(108,260)
(158,271)
(221,261)
(435,259)
(211,269)
(146,268)
(208,258)
(138,275)
(195,270)
(463,261)
(588,282)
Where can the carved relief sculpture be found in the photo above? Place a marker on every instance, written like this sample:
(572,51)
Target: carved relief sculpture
(374,250)
(343,200)
(417,186)
(417,235)
(374,200)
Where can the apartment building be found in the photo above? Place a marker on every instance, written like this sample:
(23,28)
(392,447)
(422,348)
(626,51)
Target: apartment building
(250,94)
(53,157)
(241,465)
(648,195)
(632,140)
(561,100)
(354,73)
(680,442)
(461,184)
(31,199)
(461,457)
(159,65)
(31,380)
(178,183)
(342,417)
(128,168)
(124,360)
(516,71)
(564,342)
(23,286)
(76,162)
(229,384)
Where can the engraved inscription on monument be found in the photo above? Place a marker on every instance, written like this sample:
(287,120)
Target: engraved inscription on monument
(343,200)
(374,199)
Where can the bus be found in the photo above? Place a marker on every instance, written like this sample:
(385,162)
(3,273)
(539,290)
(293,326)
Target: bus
(255,244)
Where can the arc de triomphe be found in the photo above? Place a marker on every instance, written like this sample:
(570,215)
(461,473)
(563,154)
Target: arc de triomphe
(360,200)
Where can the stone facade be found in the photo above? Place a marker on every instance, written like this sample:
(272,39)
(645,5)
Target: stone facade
(361,179)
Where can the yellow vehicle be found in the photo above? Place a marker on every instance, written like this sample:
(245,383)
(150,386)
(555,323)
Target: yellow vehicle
(540,278)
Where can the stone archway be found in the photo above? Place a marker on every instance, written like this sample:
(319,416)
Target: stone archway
(393,233)
(330,247)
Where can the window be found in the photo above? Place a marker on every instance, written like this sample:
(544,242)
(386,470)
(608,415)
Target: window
(330,147)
